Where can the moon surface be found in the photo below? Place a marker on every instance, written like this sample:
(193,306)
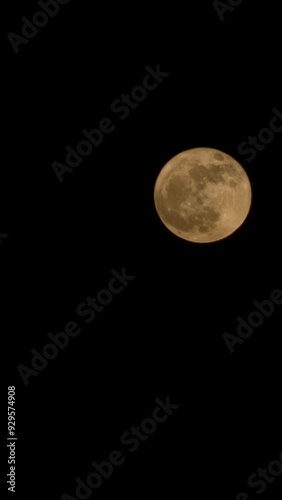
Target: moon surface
(202,195)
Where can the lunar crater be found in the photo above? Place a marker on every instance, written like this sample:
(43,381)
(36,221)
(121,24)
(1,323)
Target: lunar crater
(202,195)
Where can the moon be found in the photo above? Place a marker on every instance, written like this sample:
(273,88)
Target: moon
(202,195)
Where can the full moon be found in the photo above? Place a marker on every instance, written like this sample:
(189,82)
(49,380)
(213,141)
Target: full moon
(202,195)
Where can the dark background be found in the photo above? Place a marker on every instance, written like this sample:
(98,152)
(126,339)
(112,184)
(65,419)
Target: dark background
(163,334)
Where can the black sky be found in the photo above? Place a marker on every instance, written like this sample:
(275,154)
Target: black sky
(162,336)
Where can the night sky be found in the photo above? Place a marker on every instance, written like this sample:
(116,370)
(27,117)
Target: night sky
(74,227)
